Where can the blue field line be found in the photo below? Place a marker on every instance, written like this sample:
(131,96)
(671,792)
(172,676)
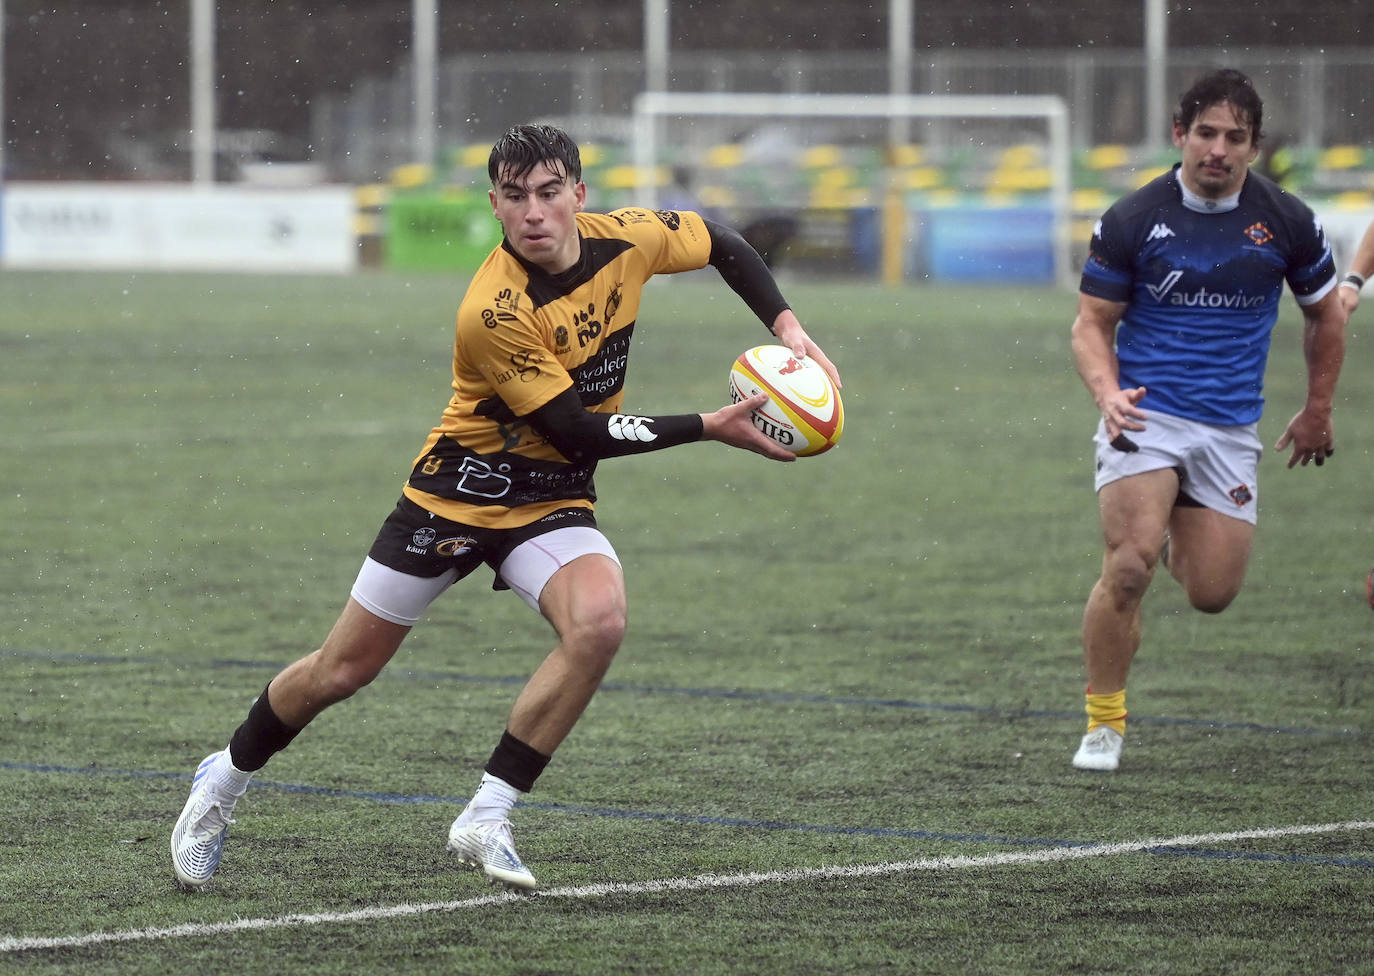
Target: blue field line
(743,823)
(728,694)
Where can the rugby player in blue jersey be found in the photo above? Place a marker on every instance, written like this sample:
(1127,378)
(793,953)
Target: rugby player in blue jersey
(1176,307)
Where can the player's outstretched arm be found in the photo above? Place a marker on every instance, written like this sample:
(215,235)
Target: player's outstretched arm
(733,424)
(581,435)
(749,277)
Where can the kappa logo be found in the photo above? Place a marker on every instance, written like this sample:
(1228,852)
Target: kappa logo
(625,428)
(1160,231)
(1157,292)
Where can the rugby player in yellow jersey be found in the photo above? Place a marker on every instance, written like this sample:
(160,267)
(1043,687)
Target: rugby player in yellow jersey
(505,479)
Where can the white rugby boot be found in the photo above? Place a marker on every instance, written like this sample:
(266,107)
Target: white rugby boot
(488,845)
(198,838)
(1100,749)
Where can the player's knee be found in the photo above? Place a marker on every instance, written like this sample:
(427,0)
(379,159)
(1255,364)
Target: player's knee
(594,635)
(1210,599)
(1127,576)
(344,679)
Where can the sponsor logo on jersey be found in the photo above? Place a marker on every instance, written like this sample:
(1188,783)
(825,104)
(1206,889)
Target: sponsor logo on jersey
(1164,294)
(1157,292)
(479,479)
(523,365)
(1160,231)
(507,304)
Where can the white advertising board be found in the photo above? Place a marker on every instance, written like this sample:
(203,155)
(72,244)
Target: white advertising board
(177,227)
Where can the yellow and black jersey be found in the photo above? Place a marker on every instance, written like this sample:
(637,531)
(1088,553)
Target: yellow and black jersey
(523,337)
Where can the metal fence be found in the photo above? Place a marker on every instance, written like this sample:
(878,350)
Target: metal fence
(1312,98)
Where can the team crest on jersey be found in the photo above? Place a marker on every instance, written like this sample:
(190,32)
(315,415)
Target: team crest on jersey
(670,219)
(1259,234)
(560,338)
(1241,495)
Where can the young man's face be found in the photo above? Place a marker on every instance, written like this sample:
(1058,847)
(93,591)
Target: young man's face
(536,213)
(1218,149)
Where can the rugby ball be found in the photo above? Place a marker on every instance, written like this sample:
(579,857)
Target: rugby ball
(804,412)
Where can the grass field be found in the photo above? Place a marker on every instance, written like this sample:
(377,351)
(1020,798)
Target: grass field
(836,740)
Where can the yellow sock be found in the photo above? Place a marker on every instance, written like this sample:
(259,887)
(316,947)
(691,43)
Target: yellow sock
(1109,710)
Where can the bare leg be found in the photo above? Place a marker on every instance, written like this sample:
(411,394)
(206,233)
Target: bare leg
(1135,512)
(357,648)
(585,603)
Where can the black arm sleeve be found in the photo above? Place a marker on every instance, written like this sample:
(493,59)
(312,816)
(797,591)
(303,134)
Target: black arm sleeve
(745,272)
(580,435)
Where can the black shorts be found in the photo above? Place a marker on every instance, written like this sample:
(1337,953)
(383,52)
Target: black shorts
(415,541)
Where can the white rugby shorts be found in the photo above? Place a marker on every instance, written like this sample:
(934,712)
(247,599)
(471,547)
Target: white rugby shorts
(1218,467)
(403,599)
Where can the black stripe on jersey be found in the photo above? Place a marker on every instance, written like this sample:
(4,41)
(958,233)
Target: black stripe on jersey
(603,375)
(450,470)
(543,288)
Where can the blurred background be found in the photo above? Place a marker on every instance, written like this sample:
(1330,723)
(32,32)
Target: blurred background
(398,101)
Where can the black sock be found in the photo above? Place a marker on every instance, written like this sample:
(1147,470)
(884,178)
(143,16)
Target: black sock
(261,736)
(516,763)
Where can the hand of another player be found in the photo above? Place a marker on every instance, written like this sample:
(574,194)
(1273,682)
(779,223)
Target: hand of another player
(1310,434)
(1350,300)
(733,424)
(790,333)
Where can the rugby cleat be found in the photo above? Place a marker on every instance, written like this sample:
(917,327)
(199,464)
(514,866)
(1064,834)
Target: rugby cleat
(488,846)
(1100,749)
(198,838)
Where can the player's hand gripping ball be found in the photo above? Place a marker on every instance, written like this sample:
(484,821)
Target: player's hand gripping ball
(804,412)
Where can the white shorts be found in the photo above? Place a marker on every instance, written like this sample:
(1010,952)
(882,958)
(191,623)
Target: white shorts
(403,599)
(1218,467)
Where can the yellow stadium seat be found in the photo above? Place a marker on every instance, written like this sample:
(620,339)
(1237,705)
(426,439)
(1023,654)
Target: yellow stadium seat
(835,177)
(1341,157)
(905,156)
(625,177)
(412,175)
(1354,200)
(725,156)
(1023,156)
(821,157)
(922,178)
(1110,156)
(474,156)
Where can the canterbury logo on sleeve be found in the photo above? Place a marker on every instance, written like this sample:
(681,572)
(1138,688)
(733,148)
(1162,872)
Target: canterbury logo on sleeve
(627,428)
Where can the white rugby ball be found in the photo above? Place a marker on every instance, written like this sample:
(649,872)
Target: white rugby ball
(804,412)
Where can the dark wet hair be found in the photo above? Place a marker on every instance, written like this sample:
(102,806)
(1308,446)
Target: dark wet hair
(1223,85)
(524,147)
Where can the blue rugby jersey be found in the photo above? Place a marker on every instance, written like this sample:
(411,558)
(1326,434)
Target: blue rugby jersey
(1203,292)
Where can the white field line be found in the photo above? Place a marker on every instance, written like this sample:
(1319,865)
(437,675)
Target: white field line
(699,883)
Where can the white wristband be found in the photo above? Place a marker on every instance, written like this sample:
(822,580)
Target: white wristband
(1352,280)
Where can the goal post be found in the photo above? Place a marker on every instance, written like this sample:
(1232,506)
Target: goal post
(651,108)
